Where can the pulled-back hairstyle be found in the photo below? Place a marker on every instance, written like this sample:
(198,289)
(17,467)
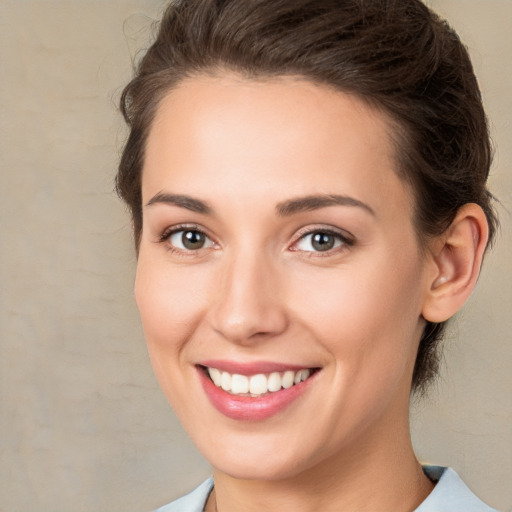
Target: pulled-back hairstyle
(397,55)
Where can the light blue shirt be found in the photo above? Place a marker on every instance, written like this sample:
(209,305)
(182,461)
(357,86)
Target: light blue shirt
(450,494)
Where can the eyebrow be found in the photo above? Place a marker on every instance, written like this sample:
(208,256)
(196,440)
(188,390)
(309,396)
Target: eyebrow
(284,209)
(187,202)
(315,202)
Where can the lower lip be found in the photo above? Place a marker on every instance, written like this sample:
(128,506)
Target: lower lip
(246,408)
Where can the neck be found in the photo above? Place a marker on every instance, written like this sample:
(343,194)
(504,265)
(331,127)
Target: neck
(378,471)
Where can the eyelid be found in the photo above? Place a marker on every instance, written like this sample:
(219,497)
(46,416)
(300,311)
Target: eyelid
(165,235)
(347,238)
(169,230)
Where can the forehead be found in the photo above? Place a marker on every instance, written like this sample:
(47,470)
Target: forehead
(220,134)
(208,103)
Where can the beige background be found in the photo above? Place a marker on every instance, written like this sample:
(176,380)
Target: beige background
(84,426)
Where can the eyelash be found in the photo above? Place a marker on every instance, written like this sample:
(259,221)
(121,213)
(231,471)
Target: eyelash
(164,238)
(345,240)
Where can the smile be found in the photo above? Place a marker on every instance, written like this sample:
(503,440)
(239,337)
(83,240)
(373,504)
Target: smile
(258,384)
(254,392)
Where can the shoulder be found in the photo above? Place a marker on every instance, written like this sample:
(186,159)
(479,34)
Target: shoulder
(192,502)
(450,494)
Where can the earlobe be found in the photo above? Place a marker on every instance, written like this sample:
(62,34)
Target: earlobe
(457,256)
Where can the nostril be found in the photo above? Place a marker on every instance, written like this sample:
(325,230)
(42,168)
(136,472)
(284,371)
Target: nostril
(251,326)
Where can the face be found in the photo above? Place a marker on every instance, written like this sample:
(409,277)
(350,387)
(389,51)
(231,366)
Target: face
(279,281)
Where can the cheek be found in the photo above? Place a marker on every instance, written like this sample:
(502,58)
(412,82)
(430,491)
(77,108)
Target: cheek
(171,303)
(170,300)
(364,313)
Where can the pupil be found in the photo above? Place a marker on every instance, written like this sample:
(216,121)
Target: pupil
(192,239)
(323,241)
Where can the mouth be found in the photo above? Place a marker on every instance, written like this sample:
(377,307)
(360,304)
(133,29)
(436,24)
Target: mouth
(254,392)
(258,384)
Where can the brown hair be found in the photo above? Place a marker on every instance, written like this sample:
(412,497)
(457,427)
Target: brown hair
(395,54)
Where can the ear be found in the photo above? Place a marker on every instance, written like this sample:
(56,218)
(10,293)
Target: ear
(456,256)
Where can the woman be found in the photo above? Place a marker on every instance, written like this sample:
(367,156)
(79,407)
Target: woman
(307,182)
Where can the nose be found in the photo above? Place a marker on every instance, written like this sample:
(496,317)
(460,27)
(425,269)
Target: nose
(248,305)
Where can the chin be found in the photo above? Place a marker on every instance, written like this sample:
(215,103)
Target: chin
(260,469)
(258,457)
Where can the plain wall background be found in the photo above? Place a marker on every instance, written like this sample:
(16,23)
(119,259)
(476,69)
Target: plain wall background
(84,426)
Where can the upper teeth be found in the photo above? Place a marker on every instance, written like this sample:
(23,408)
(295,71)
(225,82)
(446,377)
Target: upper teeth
(259,384)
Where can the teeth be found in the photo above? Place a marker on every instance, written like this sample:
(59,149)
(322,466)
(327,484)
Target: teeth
(239,384)
(216,376)
(225,382)
(259,384)
(288,379)
(274,382)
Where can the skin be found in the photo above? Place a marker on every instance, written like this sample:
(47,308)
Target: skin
(258,291)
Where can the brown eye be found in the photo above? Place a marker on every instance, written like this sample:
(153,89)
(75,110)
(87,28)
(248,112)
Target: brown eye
(192,240)
(322,241)
(189,240)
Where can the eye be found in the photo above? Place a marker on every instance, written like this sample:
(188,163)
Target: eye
(321,241)
(189,240)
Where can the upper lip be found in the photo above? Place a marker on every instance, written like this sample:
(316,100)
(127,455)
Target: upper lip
(252,368)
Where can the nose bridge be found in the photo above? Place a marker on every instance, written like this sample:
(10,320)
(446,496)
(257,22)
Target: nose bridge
(248,304)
